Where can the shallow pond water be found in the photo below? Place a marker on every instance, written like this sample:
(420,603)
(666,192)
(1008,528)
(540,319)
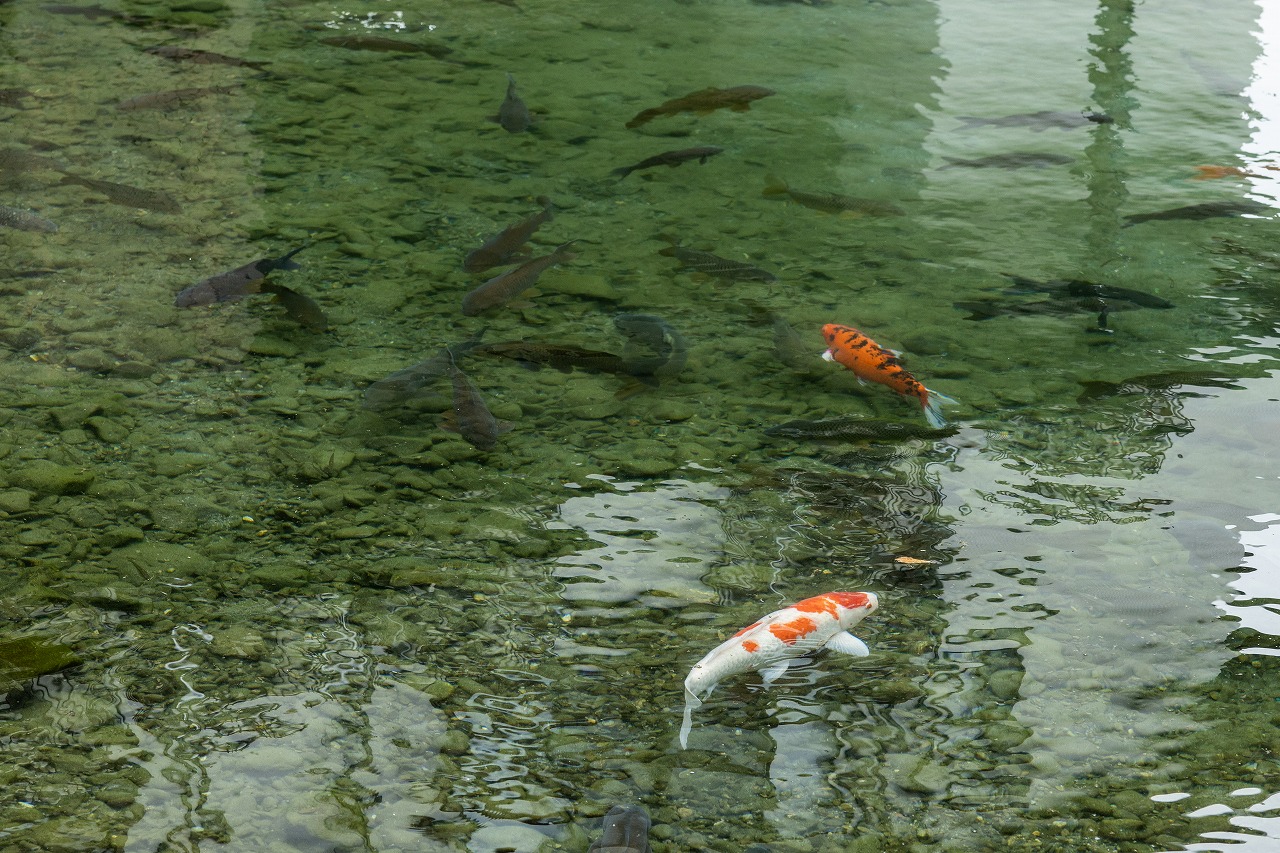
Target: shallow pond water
(250,604)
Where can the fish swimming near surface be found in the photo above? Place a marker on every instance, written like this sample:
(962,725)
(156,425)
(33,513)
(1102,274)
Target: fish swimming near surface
(871,362)
(626,830)
(654,347)
(201,57)
(503,247)
(503,288)
(1038,121)
(126,195)
(171,99)
(715,266)
(703,102)
(471,417)
(562,357)
(299,307)
(237,283)
(1207,210)
(1080,289)
(776,188)
(851,428)
(1014,160)
(513,116)
(670,158)
(25,220)
(769,645)
(409,382)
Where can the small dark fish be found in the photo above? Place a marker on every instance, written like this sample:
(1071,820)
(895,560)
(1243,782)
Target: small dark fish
(302,309)
(736,98)
(408,382)
(127,195)
(471,417)
(562,357)
(654,347)
(238,283)
(170,99)
(1038,121)
(502,248)
(790,348)
(25,220)
(1015,160)
(201,57)
(848,428)
(671,158)
(503,288)
(626,830)
(1080,289)
(14,160)
(716,266)
(513,115)
(382,44)
(13,97)
(1207,210)
(775,188)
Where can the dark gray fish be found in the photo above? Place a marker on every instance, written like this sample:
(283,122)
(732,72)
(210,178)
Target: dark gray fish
(1038,121)
(171,99)
(25,220)
(626,830)
(562,357)
(776,188)
(201,57)
(1081,289)
(513,115)
(716,266)
(13,97)
(382,44)
(654,347)
(1207,210)
(236,284)
(302,309)
(671,158)
(502,248)
(851,428)
(791,349)
(1014,160)
(409,382)
(14,160)
(703,102)
(126,195)
(471,417)
(503,288)
(1157,382)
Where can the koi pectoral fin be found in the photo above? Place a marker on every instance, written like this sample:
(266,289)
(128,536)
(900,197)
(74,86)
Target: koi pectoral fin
(846,643)
(690,702)
(773,672)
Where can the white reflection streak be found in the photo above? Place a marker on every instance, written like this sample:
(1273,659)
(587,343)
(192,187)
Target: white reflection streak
(1263,93)
(183,662)
(1261,584)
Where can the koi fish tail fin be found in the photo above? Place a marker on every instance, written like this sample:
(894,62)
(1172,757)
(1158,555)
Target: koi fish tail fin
(932,404)
(690,703)
(774,186)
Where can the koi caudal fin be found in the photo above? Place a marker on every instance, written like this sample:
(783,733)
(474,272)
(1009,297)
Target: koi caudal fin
(932,404)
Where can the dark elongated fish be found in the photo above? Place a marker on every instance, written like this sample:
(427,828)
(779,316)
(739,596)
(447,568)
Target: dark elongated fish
(471,417)
(302,309)
(237,283)
(126,195)
(13,97)
(1014,160)
(736,98)
(850,428)
(1156,382)
(513,115)
(382,44)
(25,220)
(671,158)
(1081,289)
(654,347)
(790,348)
(562,357)
(408,382)
(626,830)
(776,188)
(1038,121)
(172,98)
(201,57)
(502,248)
(1207,210)
(503,288)
(716,266)
(14,160)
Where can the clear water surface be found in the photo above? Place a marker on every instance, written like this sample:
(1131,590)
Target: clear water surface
(245,611)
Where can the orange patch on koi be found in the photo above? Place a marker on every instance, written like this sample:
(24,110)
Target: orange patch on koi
(750,645)
(818,604)
(791,632)
(852,600)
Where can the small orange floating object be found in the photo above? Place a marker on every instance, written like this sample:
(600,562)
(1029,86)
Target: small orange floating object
(914,561)
(1212,172)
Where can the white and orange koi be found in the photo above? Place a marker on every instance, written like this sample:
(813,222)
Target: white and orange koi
(769,645)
